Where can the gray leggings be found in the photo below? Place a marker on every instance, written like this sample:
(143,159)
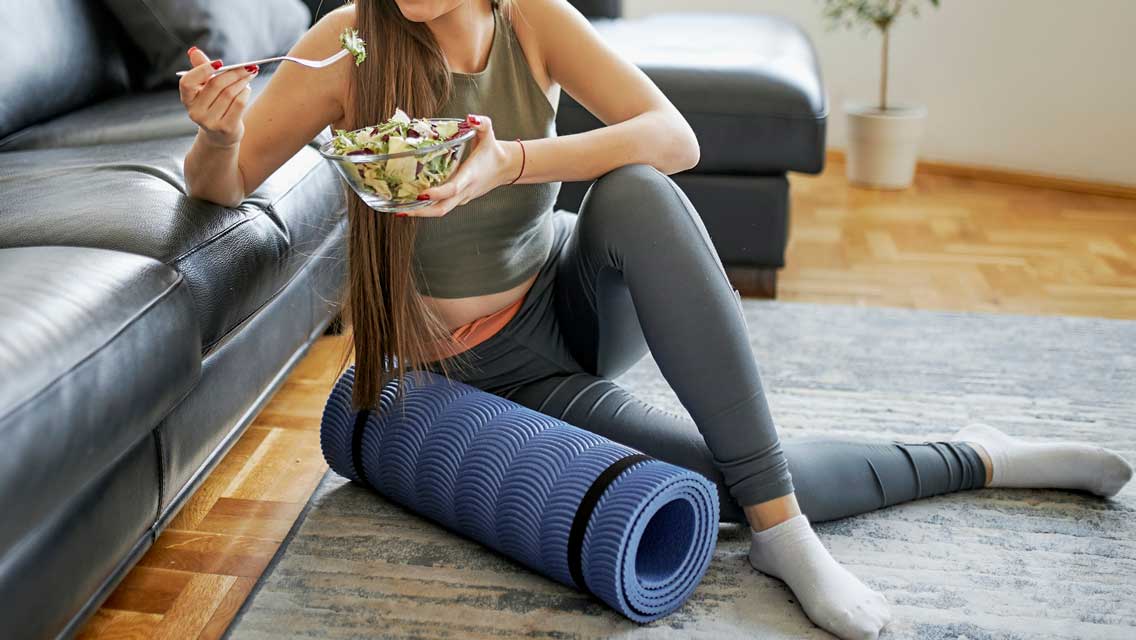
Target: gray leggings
(636,270)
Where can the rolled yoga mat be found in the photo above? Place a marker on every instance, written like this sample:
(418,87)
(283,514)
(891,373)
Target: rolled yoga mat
(636,532)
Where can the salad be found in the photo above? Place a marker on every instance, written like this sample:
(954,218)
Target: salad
(351,41)
(404,177)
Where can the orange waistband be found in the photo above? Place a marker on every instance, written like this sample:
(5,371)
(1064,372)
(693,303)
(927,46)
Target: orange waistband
(473,333)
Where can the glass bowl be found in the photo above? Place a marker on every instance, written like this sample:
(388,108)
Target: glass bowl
(354,168)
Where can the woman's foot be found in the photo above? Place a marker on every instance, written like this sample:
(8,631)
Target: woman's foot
(1049,465)
(831,596)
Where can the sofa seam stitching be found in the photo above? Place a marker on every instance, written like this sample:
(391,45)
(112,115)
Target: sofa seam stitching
(219,235)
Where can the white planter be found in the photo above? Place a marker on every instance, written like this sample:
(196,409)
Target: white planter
(883,145)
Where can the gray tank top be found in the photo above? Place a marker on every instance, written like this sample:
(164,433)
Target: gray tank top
(497,241)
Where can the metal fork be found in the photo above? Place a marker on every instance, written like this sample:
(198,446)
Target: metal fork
(315,64)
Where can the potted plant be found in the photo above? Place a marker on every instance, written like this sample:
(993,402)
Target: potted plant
(883,138)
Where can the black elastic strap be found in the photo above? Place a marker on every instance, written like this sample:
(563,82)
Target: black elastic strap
(357,444)
(584,514)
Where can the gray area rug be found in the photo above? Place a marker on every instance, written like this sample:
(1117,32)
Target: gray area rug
(986,564)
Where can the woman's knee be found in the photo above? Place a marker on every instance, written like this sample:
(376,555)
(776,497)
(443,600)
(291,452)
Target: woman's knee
(630,177)
(634,194)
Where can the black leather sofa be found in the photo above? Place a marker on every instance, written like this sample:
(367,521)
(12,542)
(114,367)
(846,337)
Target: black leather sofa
(142,330)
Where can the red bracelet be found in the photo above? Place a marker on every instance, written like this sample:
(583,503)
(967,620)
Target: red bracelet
(523,158)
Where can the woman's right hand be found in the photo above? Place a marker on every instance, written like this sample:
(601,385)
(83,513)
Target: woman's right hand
(216,104)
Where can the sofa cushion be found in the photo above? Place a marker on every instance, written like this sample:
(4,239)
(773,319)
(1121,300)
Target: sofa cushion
(236,30)
(131,197)
(97,347)
(127,118)
(749,85)
(38,37)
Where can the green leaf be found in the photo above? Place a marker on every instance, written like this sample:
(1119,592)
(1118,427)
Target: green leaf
(880,14)
(355,45)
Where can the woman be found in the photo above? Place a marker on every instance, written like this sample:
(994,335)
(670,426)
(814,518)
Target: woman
(489,284)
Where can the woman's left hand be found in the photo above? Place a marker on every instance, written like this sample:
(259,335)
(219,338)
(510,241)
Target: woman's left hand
(488,165)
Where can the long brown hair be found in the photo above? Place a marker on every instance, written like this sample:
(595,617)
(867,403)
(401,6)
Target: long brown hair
(392,329)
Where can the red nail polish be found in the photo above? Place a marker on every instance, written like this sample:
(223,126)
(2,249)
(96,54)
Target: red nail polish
(216,64)
(474,120)
(252,68)
(423,196)
(192,49)
(401,215)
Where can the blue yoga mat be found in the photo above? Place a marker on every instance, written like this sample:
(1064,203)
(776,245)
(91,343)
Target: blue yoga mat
(636,532)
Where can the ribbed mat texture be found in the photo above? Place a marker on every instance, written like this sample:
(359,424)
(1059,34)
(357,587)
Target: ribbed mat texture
(517,481)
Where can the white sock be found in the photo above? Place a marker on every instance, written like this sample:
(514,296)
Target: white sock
(1049,465)
(831,596)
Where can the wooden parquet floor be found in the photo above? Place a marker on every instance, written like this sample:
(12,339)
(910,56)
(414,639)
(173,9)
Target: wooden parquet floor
(958,244)
(193,580)
(948,244)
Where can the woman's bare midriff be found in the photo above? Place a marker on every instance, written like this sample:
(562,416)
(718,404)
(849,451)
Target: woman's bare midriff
(455,312)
